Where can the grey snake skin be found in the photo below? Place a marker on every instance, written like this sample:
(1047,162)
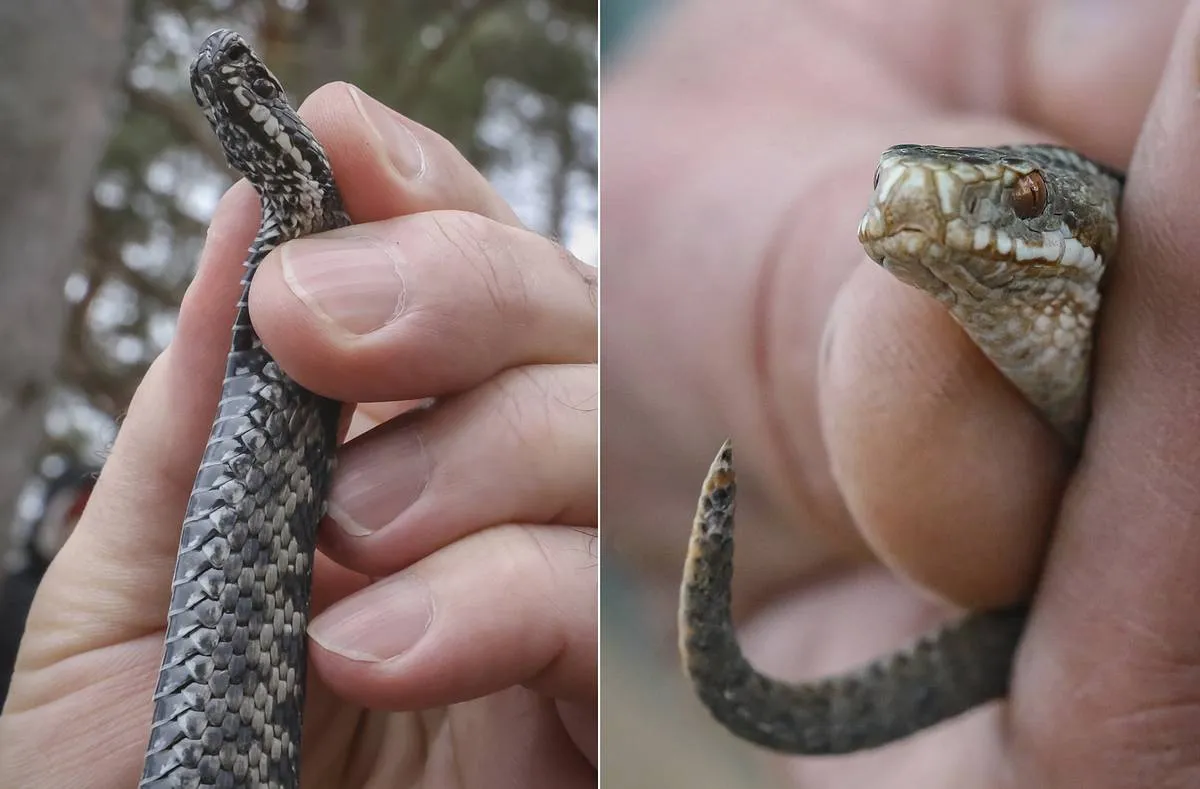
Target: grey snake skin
(229,703)
(1013,241)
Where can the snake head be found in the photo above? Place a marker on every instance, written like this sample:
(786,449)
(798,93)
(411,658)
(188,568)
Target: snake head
(1014,241)
(261,135)
(976,224)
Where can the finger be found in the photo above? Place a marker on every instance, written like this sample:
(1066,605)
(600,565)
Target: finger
(1113,640)
(519,449)
(1084,71)
(513,605)
(1087,71)
(389,165)
(96,592)
(948,472)
(422,306)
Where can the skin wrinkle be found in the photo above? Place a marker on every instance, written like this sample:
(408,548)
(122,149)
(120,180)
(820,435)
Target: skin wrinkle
(467,231)
(508,385)
(1155,754)
(556,657)
(588,275)
(510,411)
(590,402)
(341,743)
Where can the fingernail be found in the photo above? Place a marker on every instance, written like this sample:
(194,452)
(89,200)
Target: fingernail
(379,623)
(399,143)
(377,480)
(353,282)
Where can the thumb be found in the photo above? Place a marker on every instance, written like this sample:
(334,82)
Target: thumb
(951,476)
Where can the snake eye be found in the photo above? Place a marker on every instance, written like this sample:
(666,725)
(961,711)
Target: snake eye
(237,52)
(264,88)
(1029,195)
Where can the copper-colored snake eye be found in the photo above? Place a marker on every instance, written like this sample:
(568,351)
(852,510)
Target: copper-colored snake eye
(1029,196)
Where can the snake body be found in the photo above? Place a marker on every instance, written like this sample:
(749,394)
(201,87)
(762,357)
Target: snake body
(229,702)
(1013,241)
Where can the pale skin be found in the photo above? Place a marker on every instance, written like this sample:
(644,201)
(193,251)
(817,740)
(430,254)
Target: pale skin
(882,461)
(455,639)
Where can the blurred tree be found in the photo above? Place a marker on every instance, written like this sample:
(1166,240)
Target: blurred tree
(56,119)
(511,82)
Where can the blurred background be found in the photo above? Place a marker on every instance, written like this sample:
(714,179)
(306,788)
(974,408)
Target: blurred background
(110,174)
(653,730)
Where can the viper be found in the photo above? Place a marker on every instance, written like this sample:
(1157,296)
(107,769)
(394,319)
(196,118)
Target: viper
(1013,241)
(229,703)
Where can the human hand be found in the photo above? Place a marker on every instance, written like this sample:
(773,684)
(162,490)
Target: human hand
(866,424)
(453,638)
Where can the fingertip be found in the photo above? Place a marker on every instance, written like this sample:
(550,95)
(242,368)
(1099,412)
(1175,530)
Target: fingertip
(951,476)
(419,306)
(1108,55)
(388,164)
(508,606)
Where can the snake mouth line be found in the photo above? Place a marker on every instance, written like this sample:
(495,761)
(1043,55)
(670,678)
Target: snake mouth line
(920,259)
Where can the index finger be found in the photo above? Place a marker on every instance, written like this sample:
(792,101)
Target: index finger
(389,165)
(1084,71)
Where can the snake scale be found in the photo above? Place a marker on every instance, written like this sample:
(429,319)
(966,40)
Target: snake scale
(229,702)
(1013,241)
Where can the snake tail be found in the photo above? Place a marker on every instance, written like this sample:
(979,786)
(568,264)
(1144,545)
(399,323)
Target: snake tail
(941,675)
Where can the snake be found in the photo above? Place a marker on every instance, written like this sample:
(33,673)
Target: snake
(1013,242)
(229,700)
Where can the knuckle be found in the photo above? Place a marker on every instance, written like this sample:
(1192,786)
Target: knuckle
(489,251)
(535,402)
